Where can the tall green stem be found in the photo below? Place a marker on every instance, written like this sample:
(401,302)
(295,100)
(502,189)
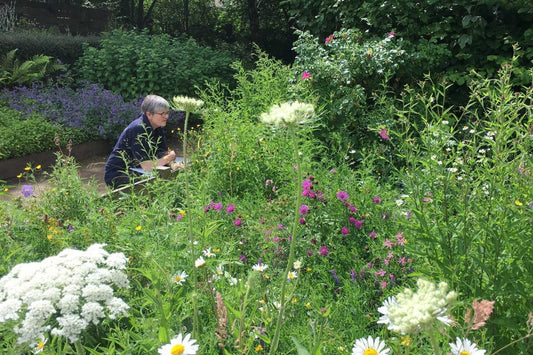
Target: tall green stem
(80,350)
(283,301)
(194,275)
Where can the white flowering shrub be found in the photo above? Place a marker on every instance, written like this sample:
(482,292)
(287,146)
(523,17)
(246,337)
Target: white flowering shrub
(63,294)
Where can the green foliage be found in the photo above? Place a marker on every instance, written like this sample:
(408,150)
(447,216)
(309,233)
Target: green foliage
(345,72)
(468,181)
(66,48)
(238,154)
(480,38)
(137,64)
(19,136)
(13,72)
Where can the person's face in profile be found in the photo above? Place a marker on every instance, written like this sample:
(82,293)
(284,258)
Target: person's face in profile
(158,119)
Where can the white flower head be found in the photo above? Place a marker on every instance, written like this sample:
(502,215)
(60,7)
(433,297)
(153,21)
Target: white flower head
(365,346)
(187,104)
(413,311)
(74,287)
(198,263)
(260,266)
(297,265)
(292,275)
(288,113)
(465,347)
(180,278)
(208,253)
(179,345)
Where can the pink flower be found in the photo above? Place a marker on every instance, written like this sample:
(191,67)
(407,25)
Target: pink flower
(230,208)
(383,133)
(237,222)
(304,209)
(306,75)
(377,199)
(381,273)
(400,238)
(388,244)
(301,220)
(372,235)
(342,196)
(323,250)
(217,206)
(345,230)
(329,38)
(391,34)
(358,224)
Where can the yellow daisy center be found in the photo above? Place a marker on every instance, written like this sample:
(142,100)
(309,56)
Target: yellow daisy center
(464,352)
(40,345)
(177,349)
(177,278)
(370,351)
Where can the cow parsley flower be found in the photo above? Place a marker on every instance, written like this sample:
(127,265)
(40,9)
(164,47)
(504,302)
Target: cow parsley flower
(63,294)
(187,104)
(288,113)
(411,311)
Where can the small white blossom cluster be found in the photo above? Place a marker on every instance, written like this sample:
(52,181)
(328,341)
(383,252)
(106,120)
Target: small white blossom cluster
(187,104)
(410,311)
(288,113)
(63,294)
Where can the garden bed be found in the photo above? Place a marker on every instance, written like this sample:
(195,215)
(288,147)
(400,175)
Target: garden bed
(10,168)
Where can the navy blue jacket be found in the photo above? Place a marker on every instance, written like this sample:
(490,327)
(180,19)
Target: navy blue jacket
(137,143)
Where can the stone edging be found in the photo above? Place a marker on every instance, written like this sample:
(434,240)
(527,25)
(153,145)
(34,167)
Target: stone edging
(10,168)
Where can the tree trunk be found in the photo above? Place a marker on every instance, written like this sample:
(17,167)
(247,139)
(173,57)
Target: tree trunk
(253,16)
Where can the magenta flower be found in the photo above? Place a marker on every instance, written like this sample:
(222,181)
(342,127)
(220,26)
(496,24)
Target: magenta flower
(358,224)
(388,244)
(306,75)
(301,220)
(400,238)
(307,184)
(26,190)
(237,222)
(345,230)
(329,38)
(384,134)
(343,196)
(333,171)
(217,206)
(377,199)
(323,250)
(391,34)
(304,209)
(230,208)
(372,235)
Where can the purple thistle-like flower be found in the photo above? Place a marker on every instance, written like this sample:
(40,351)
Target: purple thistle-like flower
(343,196)
(376,199)
(345,230)
(237,222)
(323,250)
(359,224)
(301,221)
(230,208)
(304,209)
(26,190)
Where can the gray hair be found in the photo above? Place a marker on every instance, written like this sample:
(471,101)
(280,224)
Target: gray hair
(153,104)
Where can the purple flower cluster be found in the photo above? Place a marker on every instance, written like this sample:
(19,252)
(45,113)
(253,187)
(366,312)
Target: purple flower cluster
(96,111)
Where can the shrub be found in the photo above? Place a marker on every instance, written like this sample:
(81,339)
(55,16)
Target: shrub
(135,64)
(99,113)
(20,136)
(64,47)
(345,72)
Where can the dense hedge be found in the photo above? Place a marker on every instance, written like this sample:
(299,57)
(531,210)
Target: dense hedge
(65,48)
(20,136)
(137,64)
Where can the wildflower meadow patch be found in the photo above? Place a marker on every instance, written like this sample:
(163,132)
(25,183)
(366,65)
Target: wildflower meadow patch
(266,244)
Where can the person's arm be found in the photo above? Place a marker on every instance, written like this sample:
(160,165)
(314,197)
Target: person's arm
(148,165)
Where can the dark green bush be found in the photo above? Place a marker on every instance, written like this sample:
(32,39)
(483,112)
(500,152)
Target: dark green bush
(63,47)
(19,136)
(135,64)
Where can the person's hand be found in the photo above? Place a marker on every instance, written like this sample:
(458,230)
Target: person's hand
(175,166)
(171,155)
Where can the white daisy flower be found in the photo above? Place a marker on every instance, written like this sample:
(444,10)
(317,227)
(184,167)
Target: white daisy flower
(179,346)
(370,346)
(208,254)
(180,278)
(260,267)
(465,347)
(292,275)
